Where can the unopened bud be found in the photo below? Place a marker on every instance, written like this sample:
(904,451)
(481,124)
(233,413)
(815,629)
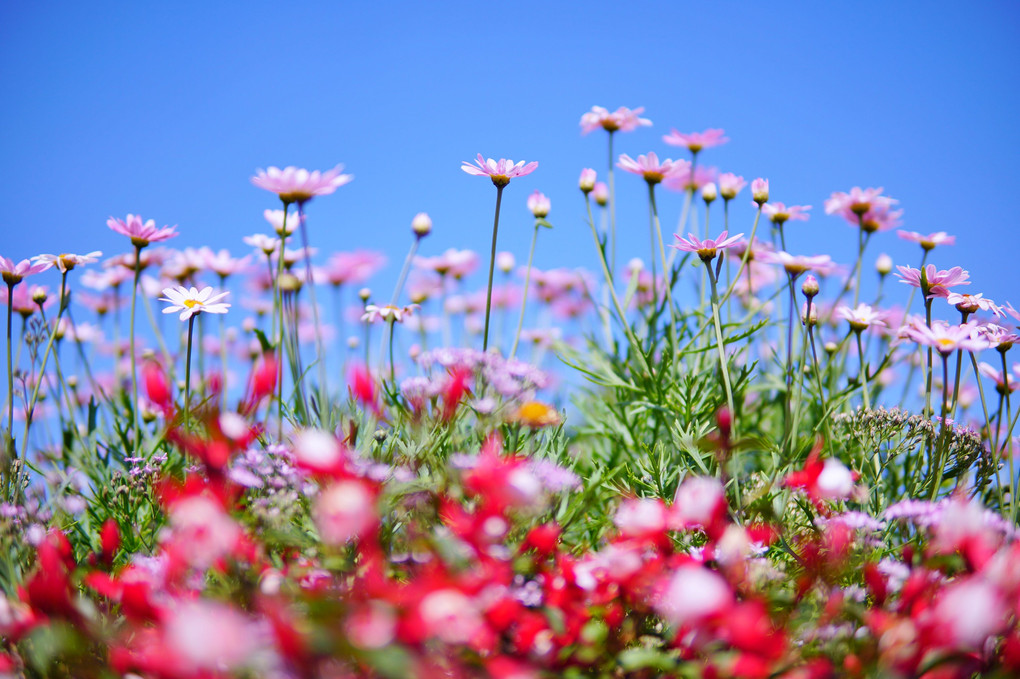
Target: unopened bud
(587,181)
(539,204)
(810,286)
(505,261)
(421,225)
(884,264)
(39,296)
(709,192)
(636,264)
(353,342)
(601,194)
(365,294)
(760,191)
(831,348)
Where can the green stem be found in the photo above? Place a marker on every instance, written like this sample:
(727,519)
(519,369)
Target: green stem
(42,368)
(136,425)
(721,348)
(10,367)
(665,272)
(524,297)
(864,372)
(612,209)
(927,384)
(492,268)
(320,352)
(943,431)
(187,374)
(403,272)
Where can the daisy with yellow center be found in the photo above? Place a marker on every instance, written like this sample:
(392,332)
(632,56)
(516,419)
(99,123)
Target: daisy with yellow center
(191,301)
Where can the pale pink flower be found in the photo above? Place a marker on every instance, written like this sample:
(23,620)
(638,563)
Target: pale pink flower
(760,191)
(141,233)
(539,204)
(318,451)
(998,377)
(692,594)
(387,313)
(797,264)
(451,616)
(835,482)
(501,171)
(706,249)
(586,182)
(353,267)
(730,185)
(779,213)
(686,177)
(938,282)
(455,263)
(999,337)
(861,318)
(260,241)
(222,263)
(275,219)
(622,119)
(880,218)
(696,141)
(421,225)
(202,532)
(641,517)
(601,193)
(853,205)
(974,303)
(13,272)
(929,241)
(297,185)
(208,638)
(945,338)
(971,610)
(345,510)
(66,262)
(648,166)
(191,301)
(699,501)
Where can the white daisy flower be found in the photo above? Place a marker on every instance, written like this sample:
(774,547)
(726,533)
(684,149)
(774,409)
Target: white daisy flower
(190,301)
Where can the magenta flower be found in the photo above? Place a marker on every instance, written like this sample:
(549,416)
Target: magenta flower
(937,282)
(861,318)
(945,338)
(539,204)
(501,171)
(13,272)
(780,213)
(706,249)
(141,233)
(648,166)
(930,241)
(622,119)
(66,262)
(297,185)
(730,185)
(696,141)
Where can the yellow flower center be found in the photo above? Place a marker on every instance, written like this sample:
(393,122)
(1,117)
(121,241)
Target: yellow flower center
(192,303)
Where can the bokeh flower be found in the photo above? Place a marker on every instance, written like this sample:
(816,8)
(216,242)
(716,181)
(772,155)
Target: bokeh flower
(623,119)
(297,185)
(696,141)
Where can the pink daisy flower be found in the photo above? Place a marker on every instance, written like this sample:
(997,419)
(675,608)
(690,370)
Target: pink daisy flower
(929,241)
(586,182)
(648,166)
(938,282)
(947,339)
(730,185)
(501,171)
(760,191)
(66,262)
(696,141)
(706,249)
(779,213)
(683,178)
(862,317)
(191,301)
(388,313)
(857,202)
(297,185)
(997,376)
(999,337)
(141,233)
(601,193)
(881,218)
(974,303)
(539,204)
(797,264)
(622,119)
(13,272)
(353,267)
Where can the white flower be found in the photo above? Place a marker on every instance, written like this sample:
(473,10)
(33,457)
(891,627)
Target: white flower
(189,301)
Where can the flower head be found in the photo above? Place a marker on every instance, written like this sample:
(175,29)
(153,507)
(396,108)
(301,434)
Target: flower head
(945,338)
(929,241)
(696,141)
(586,182)
(797,264)
(973,303)
(190,301)
(760,191)
(706,249)
(730,185)
(862,317)
(297,185)
(686,176)
(648,166)
(66,262)
(539,204)
(622,119)
(13,271)
(858,202)
(141,233)
(779,213)
(501,171)
(932,282)
(390,313)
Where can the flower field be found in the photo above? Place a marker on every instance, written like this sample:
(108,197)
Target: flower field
(721,459)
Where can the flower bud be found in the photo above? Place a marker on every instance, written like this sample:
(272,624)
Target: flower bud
(810,286)
(539,204)
(709,192)
(505,261)
(364,294)
(601,194)
(39,295)
(760,191)
(884,264)
(587,181)
(421,225)
(636,264)
(831,348)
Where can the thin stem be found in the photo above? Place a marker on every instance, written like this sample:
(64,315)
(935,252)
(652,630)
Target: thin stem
(403,272)
(943,431)
(864,371)
(492,268)
(524,297)
(745,259)
(927,384)
(187,374)
(10,364)
(320,352)
(40,378)
(721,349)
(136,425)
(665,272)
(393,378)
(612,209)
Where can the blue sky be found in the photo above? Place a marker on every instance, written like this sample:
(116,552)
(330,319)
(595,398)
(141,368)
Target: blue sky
(167,109)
